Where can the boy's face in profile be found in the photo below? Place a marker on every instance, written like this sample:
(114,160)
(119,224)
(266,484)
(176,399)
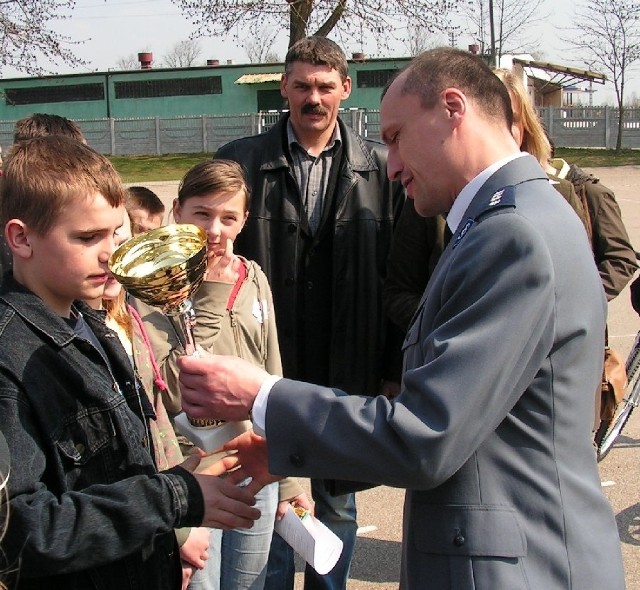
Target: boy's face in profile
(70,261)
(142,220)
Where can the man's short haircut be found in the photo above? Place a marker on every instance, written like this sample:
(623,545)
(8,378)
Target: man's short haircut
(433,71)
(46,175)
(534,137)
(317,51)
(213,176)
(40,124)
(140,197)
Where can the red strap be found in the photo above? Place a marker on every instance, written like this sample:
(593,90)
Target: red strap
(242,275)
(157,376)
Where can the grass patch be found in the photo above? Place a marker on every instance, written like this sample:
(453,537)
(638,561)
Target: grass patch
(149,168)
(174,166)
(592,158)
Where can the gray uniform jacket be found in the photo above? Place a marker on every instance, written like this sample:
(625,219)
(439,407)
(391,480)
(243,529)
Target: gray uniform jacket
(491,433)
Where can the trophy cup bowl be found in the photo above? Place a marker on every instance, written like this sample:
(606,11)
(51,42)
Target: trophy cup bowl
(163,268)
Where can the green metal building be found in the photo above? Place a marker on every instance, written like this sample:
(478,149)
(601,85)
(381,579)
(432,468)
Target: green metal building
(175,92)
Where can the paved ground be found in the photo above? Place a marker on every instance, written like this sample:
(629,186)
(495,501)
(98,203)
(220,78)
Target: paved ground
(377,557)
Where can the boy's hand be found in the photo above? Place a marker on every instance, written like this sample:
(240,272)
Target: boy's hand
(302,500)
(226,505)
(194,549)
(187,574)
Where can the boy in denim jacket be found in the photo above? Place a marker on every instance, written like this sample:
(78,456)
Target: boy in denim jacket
(88,508)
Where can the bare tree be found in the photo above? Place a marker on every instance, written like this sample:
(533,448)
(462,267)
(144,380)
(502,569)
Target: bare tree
(512,20)
(606,35)
(418,39)
(272,57)
(183,54)
(366,18)
(128,62)
(26,35)
(259,46)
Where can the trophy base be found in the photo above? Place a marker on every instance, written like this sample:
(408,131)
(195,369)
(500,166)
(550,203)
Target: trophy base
(209,438)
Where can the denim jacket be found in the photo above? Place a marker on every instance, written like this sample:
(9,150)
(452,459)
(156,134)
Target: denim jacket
(87,507)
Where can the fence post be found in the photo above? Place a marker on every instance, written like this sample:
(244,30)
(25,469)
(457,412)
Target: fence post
(550,115)
(204,134)
(607,128)
(112,134)
(158,148)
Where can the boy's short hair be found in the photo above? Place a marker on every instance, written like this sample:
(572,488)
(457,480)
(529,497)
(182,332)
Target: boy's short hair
(41,124)
(45,175)
(317,51)
(140,197)
(213,176)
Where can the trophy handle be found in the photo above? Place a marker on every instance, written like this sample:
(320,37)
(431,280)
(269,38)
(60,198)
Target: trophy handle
(187,317)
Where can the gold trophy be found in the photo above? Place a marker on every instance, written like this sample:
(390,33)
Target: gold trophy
(163,268)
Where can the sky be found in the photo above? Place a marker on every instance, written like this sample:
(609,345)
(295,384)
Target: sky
(113,29)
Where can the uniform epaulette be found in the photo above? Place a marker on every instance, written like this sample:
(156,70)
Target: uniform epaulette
(505,197)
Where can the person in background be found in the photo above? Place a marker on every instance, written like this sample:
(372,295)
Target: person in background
(320,224)
(234,315)
(42,124)
(490,434)
(617,262)
(88,507)
(145,209)
(612,249)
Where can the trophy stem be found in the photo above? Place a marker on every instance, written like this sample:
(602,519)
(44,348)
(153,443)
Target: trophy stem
(187,317)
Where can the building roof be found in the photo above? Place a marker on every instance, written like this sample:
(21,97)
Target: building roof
(259,78)
(554,75)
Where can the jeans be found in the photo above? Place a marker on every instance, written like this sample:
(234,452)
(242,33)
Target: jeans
(281,568)
(238,558)
(339,514)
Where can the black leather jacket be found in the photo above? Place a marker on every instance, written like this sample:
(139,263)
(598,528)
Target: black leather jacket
(352,334)
(87,509)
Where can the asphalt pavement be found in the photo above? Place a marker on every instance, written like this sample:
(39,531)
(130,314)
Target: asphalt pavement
(376,561)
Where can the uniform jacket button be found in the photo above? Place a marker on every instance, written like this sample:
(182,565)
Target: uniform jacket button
(458,540)
(292,228)
(289,281)
(296,460)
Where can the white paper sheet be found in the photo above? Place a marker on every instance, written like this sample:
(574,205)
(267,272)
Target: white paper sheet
(311,540)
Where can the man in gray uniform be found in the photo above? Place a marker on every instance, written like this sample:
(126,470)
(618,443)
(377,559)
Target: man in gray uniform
(491,432)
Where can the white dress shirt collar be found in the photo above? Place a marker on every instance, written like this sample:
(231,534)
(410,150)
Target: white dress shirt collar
(463,200)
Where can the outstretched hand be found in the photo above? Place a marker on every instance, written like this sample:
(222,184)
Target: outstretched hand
(251,460)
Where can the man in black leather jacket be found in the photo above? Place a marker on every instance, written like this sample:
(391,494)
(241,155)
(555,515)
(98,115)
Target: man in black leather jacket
(320,224)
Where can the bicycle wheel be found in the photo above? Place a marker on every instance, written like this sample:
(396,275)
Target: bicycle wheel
(608,433)
(633,360)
